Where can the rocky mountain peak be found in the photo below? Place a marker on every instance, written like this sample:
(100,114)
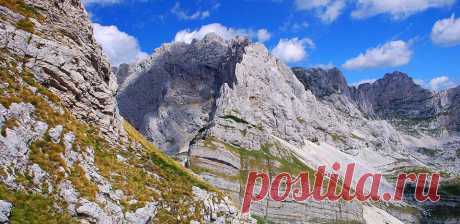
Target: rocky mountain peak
(397,75)
(396,96)
(182,82)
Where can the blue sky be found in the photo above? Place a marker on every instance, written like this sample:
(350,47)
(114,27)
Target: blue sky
(363,38)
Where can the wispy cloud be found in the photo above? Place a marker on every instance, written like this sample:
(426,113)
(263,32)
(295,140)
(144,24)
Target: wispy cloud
(441,83)
(396,9)
(446,32)
(391,54)
(326,10)
(184,15)
(290,26)
(329,10)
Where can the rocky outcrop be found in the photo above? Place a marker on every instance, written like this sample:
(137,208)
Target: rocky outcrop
(5,210)
(450,100)
(322,82)
(66,155)
(58,46)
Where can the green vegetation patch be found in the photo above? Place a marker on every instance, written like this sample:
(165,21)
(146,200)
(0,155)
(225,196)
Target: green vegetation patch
(86,188)
(34,208)
(48,156)
(337,138)
(26,25)
(450,187)
(300,120)
(9,124)
(444,213)
(260,219)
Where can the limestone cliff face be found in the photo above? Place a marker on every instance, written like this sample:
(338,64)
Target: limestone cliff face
(66,155)
(63,53)
(450,104)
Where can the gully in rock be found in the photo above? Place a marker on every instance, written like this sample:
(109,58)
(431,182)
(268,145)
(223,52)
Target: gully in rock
(284,187)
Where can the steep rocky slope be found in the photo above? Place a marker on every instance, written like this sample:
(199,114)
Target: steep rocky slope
(66,155)
(227,107)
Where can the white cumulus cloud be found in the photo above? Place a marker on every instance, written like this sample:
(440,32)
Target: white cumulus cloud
(226,33)
(263,35)
(391,54)
(441,83)
(119,46)
(327,10)
(292,50)
(446,32)
(398,9)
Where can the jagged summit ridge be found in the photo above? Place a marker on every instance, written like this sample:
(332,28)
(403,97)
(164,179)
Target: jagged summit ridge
(394,97)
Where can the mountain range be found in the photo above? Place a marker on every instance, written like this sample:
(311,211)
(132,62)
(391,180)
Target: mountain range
(170,139)
(226,107)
